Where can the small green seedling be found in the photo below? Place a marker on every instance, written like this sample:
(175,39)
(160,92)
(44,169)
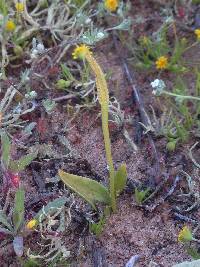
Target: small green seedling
(140,196)
(190,242)
(97,228)
(171,145)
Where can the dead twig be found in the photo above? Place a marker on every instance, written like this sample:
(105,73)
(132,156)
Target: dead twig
(193,192)
(64,97)
(133,261)
(191,155)
(143,114)
(158,188)
(185,218)
(173,187)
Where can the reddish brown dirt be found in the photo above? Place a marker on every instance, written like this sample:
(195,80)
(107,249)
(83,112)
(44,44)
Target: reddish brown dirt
(132,230)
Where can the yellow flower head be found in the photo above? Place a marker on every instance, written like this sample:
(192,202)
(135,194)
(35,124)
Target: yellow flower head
(10,26)
(81,51)
(197,32)
(162,62)
(31,224)
(19,7)
(111,5)
(185,235)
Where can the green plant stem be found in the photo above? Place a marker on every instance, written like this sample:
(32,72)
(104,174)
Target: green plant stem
(182,96)
(106,135)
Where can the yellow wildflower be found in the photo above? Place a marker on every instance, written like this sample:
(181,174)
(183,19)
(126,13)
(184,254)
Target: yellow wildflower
(10,25)
(111,5)
(162,62)
(81,51)
(31,224)
(19,7)
(197,32)
(185,235)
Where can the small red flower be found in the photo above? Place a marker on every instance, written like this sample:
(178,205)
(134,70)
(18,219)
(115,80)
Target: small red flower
(181,12)
(15,179)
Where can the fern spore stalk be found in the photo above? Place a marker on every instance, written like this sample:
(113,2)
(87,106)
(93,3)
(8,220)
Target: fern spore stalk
(103,97)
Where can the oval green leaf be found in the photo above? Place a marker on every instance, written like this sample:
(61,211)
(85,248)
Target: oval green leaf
(87,188)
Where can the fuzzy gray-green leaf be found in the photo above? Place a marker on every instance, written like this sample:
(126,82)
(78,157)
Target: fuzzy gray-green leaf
(18,245)
(87,188)
(5,231)
(51,207)
(4,221)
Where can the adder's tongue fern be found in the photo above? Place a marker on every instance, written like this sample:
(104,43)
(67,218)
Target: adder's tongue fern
(102,89)
(103,97)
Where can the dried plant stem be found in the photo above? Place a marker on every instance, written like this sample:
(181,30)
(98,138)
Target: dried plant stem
(182,96)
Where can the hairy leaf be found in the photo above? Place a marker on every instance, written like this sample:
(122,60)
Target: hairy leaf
(120,179)
(51,207)
(5,231)
(87,188)
(28,129)
(22,163)
(4,221)
(18,213)
(18,244)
